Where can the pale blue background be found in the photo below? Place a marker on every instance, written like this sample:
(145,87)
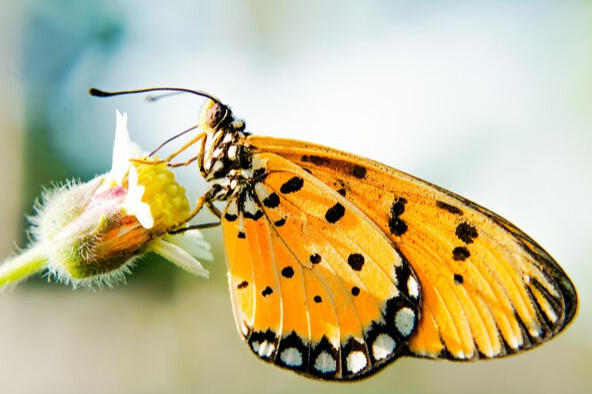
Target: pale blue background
(492,99)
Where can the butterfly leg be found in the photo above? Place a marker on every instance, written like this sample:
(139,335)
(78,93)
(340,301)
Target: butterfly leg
(200,157)
(184,164)
(203,200)
(198,206)
(189,144)
(175,154)
(196,227)
(213,209)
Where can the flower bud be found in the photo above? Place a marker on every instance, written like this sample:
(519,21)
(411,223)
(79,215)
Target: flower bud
(92,232)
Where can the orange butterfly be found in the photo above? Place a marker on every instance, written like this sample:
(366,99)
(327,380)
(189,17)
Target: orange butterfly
(339,265)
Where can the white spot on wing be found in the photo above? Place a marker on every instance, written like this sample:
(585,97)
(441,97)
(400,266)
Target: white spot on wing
(232,208)
(383,346)
(356,361)
(412,287)
(263,349)
(325,363)
(257,163)
(405,321)
(261,191)
(291,357)
(250,205)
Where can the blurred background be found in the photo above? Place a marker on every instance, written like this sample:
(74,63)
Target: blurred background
(490,99)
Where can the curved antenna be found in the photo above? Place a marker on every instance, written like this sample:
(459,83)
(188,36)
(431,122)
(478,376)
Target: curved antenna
(101,93)
(153,98)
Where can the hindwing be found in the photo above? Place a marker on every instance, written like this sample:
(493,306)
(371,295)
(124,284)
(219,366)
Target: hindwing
(316,286)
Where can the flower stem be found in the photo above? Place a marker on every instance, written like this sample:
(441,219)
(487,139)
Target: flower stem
(22,266)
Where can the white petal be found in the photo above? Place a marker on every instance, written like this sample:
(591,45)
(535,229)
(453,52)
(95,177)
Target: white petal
(193,243)
(178,256)
(123,149)
(144,215)
(133,204)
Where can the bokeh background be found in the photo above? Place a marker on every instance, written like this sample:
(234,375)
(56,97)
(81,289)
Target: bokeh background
(492,99)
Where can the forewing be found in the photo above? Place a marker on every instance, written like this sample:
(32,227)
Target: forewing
(316,286)
(487,289)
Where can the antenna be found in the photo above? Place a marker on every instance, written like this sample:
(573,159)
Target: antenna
(101,93)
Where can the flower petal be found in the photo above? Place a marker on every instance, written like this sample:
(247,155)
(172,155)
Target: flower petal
(193,243)
(133,204)
(178,256)
(123,149)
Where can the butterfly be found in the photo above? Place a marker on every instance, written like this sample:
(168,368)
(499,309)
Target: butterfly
(339,265)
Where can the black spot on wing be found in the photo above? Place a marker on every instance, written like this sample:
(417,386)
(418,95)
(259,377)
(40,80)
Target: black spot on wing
(242,285)
(254,216)
(341,166)
(397,226)
(288,272)
(458,279)
(316,160)
(450,208)
(318,299)
(466,233)
(398,207)
(355,291)
(280,222)
(460,253)
(267,291)
(241,235)
(335,213)
(292,185)
(259,174)
(315,258)
(272,201)
(230,218)
(356,261)
(359,171)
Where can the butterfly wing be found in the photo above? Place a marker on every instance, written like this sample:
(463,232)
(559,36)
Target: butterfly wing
(316,286)
(487,289)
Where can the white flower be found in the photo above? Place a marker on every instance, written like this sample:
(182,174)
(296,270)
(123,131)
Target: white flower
(91,233)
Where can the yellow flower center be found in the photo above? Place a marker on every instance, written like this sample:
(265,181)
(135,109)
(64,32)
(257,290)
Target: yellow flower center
(167,199)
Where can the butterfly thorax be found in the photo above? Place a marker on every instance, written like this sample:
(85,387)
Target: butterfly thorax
(227,159)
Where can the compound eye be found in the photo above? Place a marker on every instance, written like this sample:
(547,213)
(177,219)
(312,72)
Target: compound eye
(215,115)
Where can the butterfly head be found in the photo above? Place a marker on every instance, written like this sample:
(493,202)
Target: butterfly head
(217,116)
(226,158)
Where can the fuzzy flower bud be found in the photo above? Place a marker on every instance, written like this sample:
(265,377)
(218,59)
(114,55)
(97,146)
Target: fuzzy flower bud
(92,232)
